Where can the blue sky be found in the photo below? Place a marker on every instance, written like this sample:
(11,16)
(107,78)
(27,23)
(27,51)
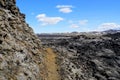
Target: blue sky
(51,16)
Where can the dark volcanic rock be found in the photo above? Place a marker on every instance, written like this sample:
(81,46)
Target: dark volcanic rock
(88,56)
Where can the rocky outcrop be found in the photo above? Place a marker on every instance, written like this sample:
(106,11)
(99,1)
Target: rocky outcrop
(81,57)
(21,54)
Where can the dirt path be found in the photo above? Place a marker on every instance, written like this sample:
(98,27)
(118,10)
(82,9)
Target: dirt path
(51,66)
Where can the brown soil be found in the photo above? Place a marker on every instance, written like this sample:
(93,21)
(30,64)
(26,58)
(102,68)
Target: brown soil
(51,66)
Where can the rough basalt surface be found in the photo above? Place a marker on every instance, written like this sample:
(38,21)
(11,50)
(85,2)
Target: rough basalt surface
(21,55)
(90,56)
(87,56)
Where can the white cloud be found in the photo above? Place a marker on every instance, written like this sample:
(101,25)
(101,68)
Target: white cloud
(65,8)
(48,20)
(74,26)
(83,22)
(107,26)
(77,24)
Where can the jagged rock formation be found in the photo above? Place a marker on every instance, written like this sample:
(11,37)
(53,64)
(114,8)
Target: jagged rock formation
(87,56)
(21,55)
(82,57)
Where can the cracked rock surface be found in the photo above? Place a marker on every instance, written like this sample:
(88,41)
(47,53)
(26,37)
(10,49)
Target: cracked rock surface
(21,55)
(86,56)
